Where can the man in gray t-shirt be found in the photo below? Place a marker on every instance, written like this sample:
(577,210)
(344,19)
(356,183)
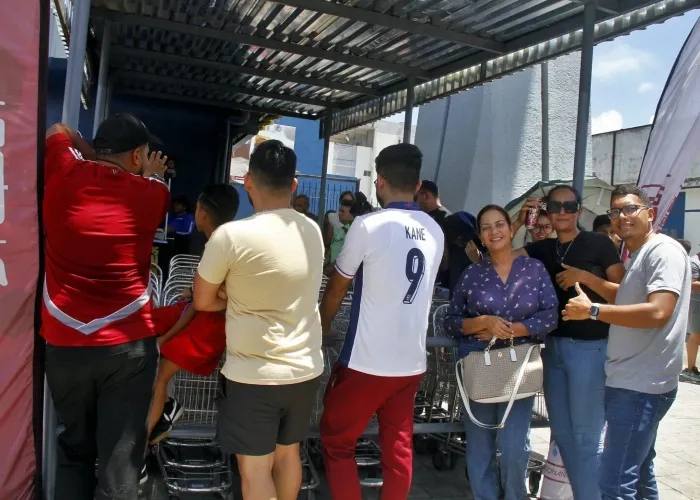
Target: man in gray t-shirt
(648,321)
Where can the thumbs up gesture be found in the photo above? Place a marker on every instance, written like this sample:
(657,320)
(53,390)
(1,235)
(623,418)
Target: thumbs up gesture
(578,307)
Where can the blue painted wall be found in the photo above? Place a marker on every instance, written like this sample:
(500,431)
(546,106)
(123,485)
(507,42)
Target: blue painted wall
(307,145)
(675,223)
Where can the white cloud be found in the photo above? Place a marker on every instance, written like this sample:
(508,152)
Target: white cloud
(621,59)
(645,87)
(607,121)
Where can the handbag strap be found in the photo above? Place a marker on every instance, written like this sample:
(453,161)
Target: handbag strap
(518,381)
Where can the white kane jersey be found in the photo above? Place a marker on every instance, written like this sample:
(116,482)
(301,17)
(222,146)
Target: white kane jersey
(394,255)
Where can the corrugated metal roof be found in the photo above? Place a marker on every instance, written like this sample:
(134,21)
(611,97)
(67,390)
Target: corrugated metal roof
(303,57)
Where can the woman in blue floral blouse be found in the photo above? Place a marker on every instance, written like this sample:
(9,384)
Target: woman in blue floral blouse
(507,296)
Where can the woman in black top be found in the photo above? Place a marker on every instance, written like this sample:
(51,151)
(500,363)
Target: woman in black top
(575,354)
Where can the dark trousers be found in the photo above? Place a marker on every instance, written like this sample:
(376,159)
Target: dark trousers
(102,396)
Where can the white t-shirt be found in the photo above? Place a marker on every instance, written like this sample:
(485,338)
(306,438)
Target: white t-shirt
(394,256)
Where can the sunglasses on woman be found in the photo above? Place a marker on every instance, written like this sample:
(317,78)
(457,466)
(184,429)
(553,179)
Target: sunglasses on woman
(570,207)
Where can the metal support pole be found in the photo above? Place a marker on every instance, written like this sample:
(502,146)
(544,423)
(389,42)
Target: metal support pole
(408,122)
(544,97)
(108,96)
(443,133)
(76,63)
(327,125)
(101,100)
(584,96)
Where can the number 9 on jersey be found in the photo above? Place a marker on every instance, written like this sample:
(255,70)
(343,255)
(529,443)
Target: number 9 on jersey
(415,269)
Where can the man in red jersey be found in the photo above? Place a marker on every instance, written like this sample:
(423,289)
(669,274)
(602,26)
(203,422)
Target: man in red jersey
(101,211)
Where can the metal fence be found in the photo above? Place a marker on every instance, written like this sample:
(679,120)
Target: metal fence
(310,185)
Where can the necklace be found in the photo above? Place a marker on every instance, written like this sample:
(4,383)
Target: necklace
(560,249)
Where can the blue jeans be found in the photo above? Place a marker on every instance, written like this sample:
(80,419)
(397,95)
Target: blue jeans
(513,443)
(574,389)
(627,465)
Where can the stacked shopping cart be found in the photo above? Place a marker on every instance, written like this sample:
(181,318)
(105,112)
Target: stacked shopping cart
(190,459)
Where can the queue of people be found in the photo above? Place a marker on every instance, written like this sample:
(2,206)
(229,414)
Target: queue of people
(613,338)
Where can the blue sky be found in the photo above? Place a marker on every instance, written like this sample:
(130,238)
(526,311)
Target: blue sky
(629,73)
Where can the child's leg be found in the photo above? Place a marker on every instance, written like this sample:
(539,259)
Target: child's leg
(166,371)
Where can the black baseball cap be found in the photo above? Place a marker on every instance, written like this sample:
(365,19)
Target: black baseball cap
(121,133)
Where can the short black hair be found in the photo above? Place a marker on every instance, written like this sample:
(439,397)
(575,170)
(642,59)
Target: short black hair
(600,221)
(182,200)
(630,189)
(302,196)
(221,201)
(273,165)
(429,186)
(688,246)
(400,166)
(560,187)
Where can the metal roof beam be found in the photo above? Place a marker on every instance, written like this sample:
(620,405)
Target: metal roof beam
(542,35)
(378,19)
(216,104)
(245,70)
(607,6)
(217,87)
(259,41)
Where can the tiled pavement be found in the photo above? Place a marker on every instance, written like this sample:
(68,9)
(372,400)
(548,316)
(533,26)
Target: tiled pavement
(677,461)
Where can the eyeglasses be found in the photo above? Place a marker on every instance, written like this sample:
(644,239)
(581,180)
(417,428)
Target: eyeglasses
(570,207)
(628,210)
(547,228)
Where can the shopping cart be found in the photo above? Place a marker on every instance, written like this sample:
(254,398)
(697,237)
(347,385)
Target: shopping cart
(367,451)
(190,459)
(445,407)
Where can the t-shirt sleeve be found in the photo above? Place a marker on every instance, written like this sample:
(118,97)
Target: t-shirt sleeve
(665,266)
(217,259)
(59,156)
(608,252)
(354,250)
(537,250)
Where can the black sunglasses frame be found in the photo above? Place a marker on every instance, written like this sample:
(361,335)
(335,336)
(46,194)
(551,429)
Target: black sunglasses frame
(570,207)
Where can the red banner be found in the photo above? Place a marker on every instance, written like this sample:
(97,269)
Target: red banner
(20,58)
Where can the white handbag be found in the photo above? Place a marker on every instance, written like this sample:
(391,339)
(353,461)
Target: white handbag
(499,376)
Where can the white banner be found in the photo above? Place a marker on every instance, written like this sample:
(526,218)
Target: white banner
(674,143)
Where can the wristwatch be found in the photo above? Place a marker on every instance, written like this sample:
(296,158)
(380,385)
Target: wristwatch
(594,310)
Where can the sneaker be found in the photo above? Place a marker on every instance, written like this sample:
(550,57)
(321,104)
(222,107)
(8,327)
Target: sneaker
(173,410)
(161,430)
(691,372)
(143,478)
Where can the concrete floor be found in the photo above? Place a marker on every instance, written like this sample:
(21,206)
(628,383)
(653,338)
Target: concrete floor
(677,462)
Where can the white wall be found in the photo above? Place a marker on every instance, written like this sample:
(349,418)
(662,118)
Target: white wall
(626,148)
(492,147)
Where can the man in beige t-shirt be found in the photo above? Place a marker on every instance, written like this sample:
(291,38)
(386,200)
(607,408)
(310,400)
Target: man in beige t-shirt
(271,266)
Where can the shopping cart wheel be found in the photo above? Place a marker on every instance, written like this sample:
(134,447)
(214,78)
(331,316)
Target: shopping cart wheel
(534,482)
(424,444)
(444,460)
